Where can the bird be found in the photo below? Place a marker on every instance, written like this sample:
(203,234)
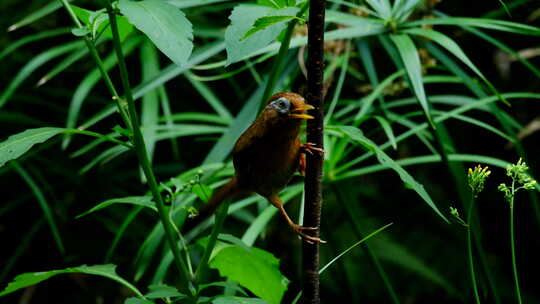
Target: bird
(266,156)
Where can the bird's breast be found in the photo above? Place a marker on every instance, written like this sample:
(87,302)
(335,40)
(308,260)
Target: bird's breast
(268,164)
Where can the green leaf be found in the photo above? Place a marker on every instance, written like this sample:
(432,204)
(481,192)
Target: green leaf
(32,65)
(411,61)
(255,269)
(14,45)
(237,300)
(80,31)
(387,130)
(192,3)
(227,284)
(163,291)
(499,25)
(36,14)
(356,135)
(264,22)
(150,101)
(273,3)
(18,144)
(144,201)
(449,44)
(382,7)
(452,47)
(32,278)
(87,84)
(203,192)
(45,206)
(164,24)
(377,91)
(243,19)
(353,246)
(134,300)
(101,24)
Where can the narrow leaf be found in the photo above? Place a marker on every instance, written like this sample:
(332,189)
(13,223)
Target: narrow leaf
(411,60)
(45,206)
(18,144)
(356,135)
(32,278)
(144,201)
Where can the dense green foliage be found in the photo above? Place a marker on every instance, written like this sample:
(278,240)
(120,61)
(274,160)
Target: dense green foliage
(103,159)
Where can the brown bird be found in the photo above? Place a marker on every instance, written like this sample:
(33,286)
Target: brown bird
(266,156)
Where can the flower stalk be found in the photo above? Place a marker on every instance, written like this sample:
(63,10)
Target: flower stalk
(520,181)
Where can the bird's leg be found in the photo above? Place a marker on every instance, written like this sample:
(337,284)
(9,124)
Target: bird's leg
(302,164)
(309,148)
(276,201)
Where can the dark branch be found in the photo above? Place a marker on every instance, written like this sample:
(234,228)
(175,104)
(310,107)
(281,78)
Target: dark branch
(314,170)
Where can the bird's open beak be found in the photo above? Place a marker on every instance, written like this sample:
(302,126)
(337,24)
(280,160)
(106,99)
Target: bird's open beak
(299,112)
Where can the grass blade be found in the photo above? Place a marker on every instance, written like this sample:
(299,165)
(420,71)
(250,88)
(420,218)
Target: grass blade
(36,15)
(367,237)
(14,45)
(411,61)
(47,211)
(34,64)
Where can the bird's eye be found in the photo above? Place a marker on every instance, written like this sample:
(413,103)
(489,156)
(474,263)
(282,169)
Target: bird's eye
(282,105)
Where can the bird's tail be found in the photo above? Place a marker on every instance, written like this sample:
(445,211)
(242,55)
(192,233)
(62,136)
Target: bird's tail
(228,190)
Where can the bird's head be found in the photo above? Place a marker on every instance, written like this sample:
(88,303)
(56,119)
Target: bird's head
(289,106)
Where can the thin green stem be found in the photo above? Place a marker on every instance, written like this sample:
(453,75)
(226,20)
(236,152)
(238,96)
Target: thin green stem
(201,271)
(140,149)
(512,246)
(470,249)
(95,55)
(277,67)
(98,135)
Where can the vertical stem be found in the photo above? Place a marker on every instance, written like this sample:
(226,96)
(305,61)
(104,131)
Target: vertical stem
(140,149)
(512,247)
(218,224)
(277,67)
(470,250)
(313,181)
(95,55)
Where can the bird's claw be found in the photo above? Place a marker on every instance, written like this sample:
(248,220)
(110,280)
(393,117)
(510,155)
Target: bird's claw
(310,147)
(308,238)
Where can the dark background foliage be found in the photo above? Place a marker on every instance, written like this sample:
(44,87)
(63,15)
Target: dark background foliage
(381,198)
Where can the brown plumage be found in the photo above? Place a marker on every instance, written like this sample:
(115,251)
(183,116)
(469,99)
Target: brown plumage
(266,156)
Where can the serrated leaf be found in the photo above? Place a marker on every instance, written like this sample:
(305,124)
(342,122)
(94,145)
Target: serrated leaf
(264,22)
(144,201)
(356,135)
(255,269)
(164,24)
(18,144)
(32,278)
(243,18)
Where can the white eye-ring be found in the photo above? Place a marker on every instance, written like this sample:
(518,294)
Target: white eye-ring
(282,105)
